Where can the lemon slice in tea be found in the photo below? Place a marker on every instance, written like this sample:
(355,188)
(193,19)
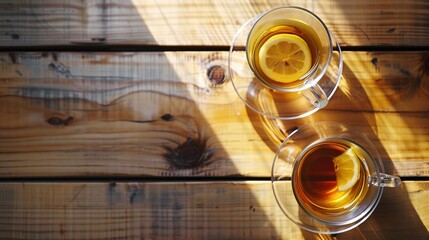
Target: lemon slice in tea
(347,167)
(285,58)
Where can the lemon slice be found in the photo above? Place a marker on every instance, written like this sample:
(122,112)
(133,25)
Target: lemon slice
(347,169)
(285,58)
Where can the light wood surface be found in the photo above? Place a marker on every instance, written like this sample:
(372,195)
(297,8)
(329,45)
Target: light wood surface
(101,114)
(168,22)
(111,129)
(185,210)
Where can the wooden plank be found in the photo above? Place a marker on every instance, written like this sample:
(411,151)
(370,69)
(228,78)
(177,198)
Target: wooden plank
(143,114)
(372,81)
(217,210)
(168,22)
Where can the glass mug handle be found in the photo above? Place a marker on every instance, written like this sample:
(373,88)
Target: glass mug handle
(316,96)
(386,180)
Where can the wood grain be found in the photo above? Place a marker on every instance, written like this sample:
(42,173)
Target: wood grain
(140,114)
(213,210)
(76,127)
(167,22)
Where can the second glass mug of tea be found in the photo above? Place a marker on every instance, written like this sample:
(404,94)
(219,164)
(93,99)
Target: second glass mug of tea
(328,178)
(289,68)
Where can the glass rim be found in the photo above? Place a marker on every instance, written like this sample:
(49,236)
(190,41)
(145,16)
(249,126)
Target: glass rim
(304,85)
(329,227)
(377,172)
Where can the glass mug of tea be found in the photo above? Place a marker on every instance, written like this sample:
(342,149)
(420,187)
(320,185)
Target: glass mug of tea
(289,68)
(328,178)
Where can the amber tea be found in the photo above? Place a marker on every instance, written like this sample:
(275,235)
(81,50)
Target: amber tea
(284,53)
(328,178)
(315,180)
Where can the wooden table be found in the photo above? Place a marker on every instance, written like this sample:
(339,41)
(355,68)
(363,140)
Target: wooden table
(110,127)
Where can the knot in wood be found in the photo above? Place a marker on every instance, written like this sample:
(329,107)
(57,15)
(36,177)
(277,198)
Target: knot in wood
(187,155)
(216,74)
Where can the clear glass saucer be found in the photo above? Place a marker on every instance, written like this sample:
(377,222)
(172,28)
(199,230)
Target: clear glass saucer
(268,102)
(289,154)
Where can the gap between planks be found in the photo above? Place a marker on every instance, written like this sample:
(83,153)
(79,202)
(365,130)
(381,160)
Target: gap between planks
(159,179)
(182,48)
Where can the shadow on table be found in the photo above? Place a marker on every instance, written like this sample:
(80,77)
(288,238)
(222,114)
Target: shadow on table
(395,216)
